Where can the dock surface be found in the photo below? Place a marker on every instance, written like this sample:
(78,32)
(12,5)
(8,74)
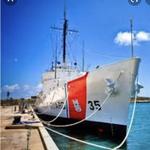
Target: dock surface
(23,137)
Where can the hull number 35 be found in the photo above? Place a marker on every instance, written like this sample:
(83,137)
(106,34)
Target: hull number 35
(94,105)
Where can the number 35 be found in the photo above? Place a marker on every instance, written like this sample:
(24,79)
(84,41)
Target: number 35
(94,105)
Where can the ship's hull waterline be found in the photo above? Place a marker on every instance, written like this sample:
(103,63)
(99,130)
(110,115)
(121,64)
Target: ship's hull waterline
(103,130)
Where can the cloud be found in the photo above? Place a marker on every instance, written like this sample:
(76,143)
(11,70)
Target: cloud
(26,87)
(32,89)
(143,36)
(124,38)
(21,91)
(11,88)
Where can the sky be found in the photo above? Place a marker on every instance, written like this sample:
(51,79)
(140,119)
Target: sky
(28,43)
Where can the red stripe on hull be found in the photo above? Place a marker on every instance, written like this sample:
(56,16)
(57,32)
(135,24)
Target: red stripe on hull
(77,97)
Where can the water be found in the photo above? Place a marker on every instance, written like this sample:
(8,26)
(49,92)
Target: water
(139,137)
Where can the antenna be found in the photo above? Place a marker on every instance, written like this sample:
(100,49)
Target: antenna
(132,48)
(56,62)
(65,9)
(83,56)
(65,31)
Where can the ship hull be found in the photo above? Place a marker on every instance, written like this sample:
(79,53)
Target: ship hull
(103,92)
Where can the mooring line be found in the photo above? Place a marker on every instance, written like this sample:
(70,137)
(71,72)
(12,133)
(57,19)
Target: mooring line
(59,111)
(62,106)
(78,122)
(96,145)
(100,146)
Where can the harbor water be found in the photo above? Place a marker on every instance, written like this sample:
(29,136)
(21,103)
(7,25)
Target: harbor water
(139,137)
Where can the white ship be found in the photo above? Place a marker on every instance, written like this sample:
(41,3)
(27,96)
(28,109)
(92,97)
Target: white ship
(104,92)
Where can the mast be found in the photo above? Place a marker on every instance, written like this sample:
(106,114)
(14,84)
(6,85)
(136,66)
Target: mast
(56,62)
(131,26)
(83,56)
(65,28)
(65,31)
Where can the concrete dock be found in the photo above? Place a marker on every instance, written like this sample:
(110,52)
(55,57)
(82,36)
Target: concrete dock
(31,135)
